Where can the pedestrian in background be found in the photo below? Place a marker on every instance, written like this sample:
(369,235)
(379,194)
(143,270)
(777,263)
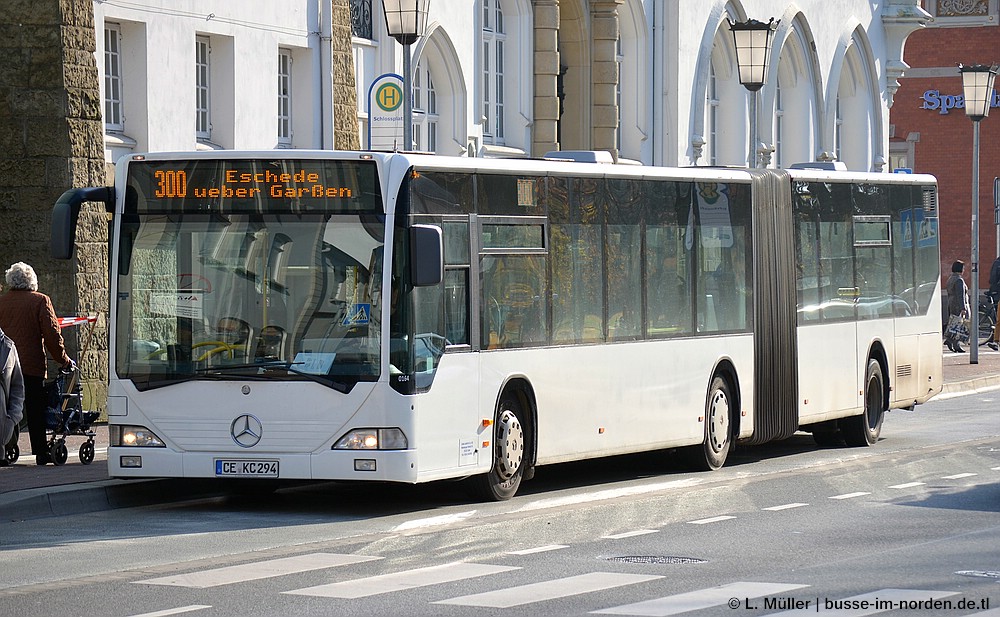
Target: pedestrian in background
(11,394)
(994,295)
(28,318)
(958,302)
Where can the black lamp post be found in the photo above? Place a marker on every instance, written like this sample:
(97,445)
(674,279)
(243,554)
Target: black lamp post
(406,21)
(753,51)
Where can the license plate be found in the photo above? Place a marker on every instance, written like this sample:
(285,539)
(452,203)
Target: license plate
(257,469)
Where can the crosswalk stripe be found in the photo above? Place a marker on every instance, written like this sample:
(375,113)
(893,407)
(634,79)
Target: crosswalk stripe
(714,519)
(549,590)
(867,603)
(175,611)
(850,495)
(538,549)
(787,506)
(630,534)
(697,600)
(257,570)
(398,581)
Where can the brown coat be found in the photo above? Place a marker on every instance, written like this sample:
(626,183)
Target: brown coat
(29,319)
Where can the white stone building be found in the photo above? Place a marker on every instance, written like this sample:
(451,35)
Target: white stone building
(653,81)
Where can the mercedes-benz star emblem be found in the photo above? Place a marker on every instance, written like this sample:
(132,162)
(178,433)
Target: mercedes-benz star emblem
(246,431)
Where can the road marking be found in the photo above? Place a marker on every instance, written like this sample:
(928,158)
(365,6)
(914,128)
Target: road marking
(629,534)
(993,612)
(714,519)
(959,476)
(849,495)
(787,506)
(878,602)
(994,468)
(434,521)
(175,611)
(399,581)
(701,599)
(549,590)
(538,549)
(257,570)
(571,500)
(907,485)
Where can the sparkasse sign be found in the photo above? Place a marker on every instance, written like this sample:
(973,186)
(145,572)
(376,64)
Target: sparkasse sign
(944,103)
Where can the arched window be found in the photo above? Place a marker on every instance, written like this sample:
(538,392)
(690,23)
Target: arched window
(779,117)
(854,109)
(795,94)
(494,41)
(425,110)
(712,103)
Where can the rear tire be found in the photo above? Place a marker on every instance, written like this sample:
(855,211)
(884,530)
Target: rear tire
(508,452)
(864,430)
(719,408)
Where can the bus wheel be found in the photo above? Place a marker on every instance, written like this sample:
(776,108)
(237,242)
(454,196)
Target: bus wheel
(864,430)
(712,453)
(503,480)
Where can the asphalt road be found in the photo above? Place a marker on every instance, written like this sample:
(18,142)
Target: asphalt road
(915,519)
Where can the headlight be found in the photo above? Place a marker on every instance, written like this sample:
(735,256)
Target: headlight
(134,436)
(372,439)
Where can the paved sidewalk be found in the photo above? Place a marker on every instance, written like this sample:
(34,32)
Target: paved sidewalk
(31,491)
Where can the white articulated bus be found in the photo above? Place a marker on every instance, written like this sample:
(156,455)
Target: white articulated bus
(405,317)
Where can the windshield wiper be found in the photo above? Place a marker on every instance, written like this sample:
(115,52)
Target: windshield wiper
(217,372)
(276,364)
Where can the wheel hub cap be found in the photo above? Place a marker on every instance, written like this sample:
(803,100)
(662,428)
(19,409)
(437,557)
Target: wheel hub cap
(510,444)
(718,427)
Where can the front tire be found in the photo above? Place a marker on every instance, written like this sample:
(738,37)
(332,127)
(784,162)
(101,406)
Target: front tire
(510,437)
(864,430)
(87,452)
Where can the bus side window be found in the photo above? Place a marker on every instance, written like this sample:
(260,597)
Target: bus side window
(514,303)
(456,281)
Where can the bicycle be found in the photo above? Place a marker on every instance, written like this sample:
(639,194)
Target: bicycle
(987,318)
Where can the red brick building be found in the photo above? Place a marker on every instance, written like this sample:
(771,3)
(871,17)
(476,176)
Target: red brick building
(930,133)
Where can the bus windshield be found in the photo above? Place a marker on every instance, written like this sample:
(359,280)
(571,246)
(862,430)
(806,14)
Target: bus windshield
(250,269)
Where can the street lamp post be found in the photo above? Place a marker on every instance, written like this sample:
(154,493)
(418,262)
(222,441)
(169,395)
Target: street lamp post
(977,86)
(406,21)
(753,51)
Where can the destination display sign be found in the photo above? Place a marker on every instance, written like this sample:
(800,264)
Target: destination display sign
(239,184)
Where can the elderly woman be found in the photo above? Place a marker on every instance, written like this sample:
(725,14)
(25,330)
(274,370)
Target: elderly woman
(28,318)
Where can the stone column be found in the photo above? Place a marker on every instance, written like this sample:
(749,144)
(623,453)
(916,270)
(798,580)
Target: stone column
(604,75)
(52,139)
(345,96)
(543,134)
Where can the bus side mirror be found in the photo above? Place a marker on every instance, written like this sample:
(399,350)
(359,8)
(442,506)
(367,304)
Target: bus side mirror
(66,212)
(426,255)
